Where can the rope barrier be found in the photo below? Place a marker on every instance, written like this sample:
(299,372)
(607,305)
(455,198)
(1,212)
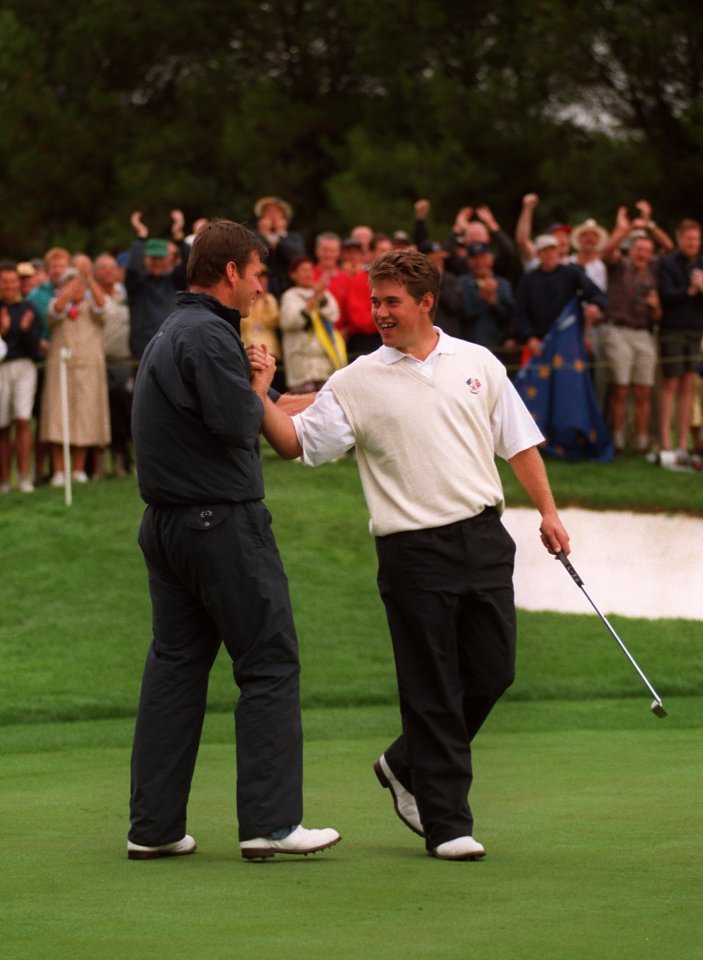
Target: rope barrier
(590,364)
(581,365)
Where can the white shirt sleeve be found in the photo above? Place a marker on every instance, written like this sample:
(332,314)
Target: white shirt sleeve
(512,425)
(323,430)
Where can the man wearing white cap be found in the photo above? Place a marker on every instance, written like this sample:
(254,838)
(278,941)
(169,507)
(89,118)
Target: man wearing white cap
(543,293)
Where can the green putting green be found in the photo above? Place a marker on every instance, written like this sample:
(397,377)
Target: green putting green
(589,806)
(589,813)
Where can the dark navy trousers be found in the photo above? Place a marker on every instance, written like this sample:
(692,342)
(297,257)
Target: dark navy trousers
(215,576)
(448,594)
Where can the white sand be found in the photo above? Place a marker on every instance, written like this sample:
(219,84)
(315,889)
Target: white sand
(637,565)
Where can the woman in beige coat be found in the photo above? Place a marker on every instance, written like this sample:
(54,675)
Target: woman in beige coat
(76,319)
(312,347)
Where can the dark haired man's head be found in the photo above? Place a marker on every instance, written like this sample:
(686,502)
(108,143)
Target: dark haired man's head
(413,270)
(225,261)
(217,243)
(688,237)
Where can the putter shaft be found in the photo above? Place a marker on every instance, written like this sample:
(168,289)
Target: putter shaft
(657,706)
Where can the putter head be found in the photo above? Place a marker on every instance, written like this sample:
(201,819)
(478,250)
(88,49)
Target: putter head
(657,709)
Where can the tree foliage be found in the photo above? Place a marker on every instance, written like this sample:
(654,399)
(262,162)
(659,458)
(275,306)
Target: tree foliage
(351,109)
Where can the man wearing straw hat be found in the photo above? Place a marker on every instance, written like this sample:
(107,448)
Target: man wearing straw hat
(273,216)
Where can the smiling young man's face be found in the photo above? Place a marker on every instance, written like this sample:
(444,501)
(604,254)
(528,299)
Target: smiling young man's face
(402,322)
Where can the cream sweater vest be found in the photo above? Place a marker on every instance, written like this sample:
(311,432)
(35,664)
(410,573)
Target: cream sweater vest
(424,445)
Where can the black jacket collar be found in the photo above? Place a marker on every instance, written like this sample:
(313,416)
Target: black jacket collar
(186,298)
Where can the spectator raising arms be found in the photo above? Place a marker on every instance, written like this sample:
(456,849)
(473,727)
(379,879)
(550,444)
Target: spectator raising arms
(523,234)
(627,338)
(152,279)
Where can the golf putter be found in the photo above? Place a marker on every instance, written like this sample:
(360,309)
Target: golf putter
(657,706)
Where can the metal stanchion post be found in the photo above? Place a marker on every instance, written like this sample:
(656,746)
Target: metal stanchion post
(65,355)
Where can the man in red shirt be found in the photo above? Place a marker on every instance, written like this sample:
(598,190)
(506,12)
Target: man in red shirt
(328,252)
(351,290)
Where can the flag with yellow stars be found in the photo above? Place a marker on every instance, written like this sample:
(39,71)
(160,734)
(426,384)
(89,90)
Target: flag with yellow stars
(557,389)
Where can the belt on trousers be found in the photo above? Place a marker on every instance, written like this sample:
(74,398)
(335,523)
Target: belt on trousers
(627,326)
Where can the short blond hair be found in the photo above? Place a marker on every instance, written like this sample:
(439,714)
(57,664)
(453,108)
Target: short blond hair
(56,253)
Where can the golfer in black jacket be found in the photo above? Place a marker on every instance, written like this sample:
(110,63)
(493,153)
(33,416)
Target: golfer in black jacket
(215,575)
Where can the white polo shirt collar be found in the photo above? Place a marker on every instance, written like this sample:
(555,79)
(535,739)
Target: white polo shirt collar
(444,345)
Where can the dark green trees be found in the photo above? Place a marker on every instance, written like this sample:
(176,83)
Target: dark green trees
(351,109)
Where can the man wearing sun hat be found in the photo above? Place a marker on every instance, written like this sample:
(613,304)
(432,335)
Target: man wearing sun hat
(27,273)
(273,215)
(588,239)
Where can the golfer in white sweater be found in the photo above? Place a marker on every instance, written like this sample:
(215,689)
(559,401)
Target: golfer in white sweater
(428,414)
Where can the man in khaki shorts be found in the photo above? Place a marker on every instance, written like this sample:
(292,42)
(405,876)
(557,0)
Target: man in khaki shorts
(19,330)
(627,339)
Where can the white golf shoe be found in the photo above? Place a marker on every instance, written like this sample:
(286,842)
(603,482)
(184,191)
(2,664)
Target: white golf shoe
(403,801)
(463,848)
(179,848)
(300,841)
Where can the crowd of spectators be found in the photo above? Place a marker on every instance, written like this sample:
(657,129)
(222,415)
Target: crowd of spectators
(72,329)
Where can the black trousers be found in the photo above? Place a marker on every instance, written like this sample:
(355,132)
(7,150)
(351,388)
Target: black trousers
(215,576)
(449,601)
(120,400)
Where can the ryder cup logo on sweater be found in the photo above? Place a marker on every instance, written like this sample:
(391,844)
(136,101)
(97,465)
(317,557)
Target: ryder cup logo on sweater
(474,384)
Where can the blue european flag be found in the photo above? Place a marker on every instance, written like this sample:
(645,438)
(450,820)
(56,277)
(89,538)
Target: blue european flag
(557,389)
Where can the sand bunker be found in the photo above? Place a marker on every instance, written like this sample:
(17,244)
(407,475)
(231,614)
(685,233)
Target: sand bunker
(637,565)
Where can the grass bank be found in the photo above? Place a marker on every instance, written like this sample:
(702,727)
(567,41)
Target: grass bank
(76,619)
